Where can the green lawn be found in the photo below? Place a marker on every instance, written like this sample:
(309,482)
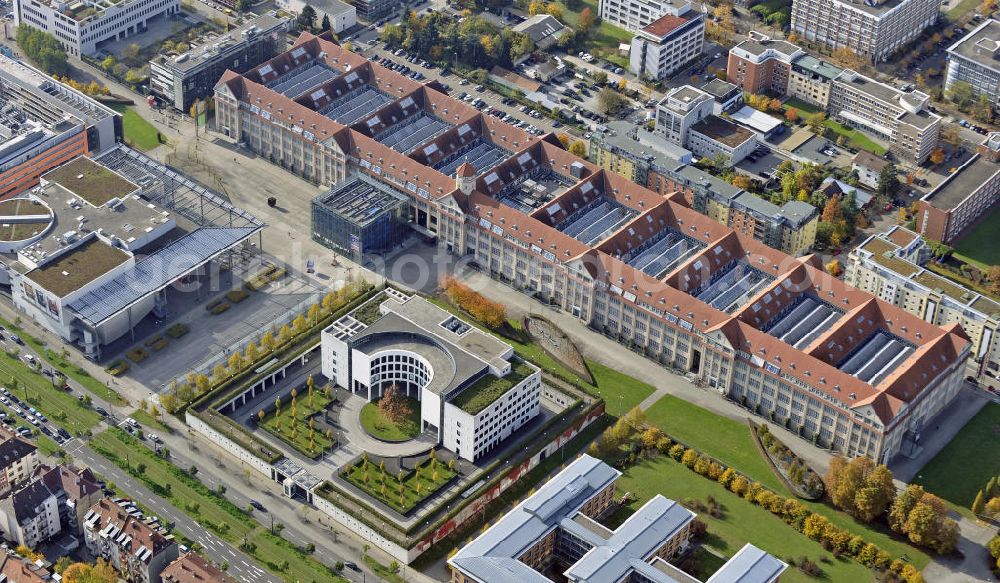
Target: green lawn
(149,421)
(802,107)
(139,133)
(61,407)
(69,369)
(741,521)
(730,441)
(725,439)
(978,246)
(964,466)
(857,138)
(961,8)
(208,509)
(385,429)
(605,40)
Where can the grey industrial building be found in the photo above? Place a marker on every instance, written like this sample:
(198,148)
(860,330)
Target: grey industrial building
(179,80)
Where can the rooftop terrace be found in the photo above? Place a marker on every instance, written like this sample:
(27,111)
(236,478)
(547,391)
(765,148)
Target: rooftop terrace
(487,389)
(530,194)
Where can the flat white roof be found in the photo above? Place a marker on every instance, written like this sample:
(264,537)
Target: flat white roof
(756,120)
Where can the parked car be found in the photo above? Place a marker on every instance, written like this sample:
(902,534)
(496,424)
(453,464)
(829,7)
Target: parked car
(101,411)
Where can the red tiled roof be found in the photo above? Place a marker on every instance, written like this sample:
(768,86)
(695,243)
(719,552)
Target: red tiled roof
(193,568)
(665,24)
(466,170)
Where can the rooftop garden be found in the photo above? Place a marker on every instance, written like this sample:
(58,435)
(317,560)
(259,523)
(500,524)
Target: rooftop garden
(369,313)
(405,490)
(489,388)
(295,424)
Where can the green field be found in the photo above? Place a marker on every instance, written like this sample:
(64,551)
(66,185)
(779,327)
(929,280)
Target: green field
(149,421)
(139,133)
(725,439)
(802,107)
(69,369)
(731,442)
(857,138)
(979,246)
(382,428)
(964,466)
(605,40)
(61,407)
(741,521)
(210,510)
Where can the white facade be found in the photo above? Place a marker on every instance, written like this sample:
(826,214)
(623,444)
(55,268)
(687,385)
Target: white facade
(872,29)
(679,110)
(638,14)
(342,15)
(658,56)
(82,26)
(417,348)
(706,146)
(30,526)
(470,436)
(973,59)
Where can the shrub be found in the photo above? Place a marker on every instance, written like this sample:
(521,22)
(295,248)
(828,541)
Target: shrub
(236,296)
(137,355)
(213,304)
(677,452)
(219,309)
(117,368)
(177,330)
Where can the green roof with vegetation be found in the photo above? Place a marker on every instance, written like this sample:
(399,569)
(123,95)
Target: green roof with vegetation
(370,312)
(489,388)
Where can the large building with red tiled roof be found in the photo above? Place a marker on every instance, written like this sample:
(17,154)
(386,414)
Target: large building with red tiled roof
(770,331)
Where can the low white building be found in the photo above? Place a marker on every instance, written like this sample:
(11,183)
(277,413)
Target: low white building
(473,394)
(714,135)
(341,14)
(83,26)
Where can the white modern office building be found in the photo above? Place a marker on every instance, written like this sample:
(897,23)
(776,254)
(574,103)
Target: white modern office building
(667,44)
(874,29)
(82,26)
(473,394)
(975,59)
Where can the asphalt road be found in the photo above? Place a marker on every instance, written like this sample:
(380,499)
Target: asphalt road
(241,566)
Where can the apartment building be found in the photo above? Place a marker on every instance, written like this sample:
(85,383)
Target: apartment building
(17,569)
(666,45)
(810,79)
(193,568)
(30,515)
(642,267)
(178,80)
(874,29)
(646,159)
(950,209)
(84,26)
(18,460)
(975,59)
(634,15)
(761,64)
(473,394)
(138,548)
(898,118)
(76,491)
(890,266)
(559,529)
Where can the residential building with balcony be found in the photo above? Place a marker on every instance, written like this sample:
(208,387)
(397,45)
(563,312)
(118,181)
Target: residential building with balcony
(666,45)
(18,461)
(138,548)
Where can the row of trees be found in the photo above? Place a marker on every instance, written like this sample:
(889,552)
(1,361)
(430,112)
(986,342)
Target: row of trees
(475,41)
(866,491)
(987,501)
(44,49)
(631,433)
(92,89)
(196,384)
(491,314)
